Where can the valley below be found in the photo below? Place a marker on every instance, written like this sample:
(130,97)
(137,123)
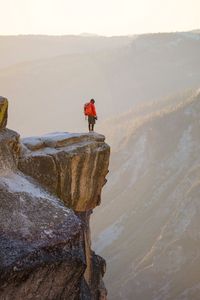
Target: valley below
(150,234)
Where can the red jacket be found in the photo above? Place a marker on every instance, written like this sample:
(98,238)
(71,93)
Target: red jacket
(91,110)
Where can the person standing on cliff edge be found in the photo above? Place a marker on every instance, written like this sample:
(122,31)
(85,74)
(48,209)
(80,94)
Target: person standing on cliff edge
(90,112)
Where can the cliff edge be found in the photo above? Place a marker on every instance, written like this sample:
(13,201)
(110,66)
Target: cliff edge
(49,187)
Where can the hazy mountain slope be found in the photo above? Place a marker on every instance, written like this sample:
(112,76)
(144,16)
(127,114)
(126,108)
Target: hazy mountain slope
(119,128)
(151,208)
(118,74)
(17,49)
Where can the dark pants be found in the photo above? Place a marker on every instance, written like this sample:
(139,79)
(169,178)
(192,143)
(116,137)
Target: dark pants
(91,122)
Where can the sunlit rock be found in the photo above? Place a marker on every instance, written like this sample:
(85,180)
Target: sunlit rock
(72,166)
(3,112)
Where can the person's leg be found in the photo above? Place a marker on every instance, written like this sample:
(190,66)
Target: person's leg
(89,123)
(90,127)
(93,123)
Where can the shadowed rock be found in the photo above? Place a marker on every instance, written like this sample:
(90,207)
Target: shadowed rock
(41,249)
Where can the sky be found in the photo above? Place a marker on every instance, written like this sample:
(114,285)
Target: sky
(103,17)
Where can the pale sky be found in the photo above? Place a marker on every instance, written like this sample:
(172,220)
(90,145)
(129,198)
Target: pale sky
(103,17)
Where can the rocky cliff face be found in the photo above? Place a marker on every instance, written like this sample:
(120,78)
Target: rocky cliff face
(49,186)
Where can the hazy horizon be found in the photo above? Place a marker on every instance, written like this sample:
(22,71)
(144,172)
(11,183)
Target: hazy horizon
(106,18)
(93,34)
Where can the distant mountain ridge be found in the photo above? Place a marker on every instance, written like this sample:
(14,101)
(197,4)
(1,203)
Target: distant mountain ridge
(28,48)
